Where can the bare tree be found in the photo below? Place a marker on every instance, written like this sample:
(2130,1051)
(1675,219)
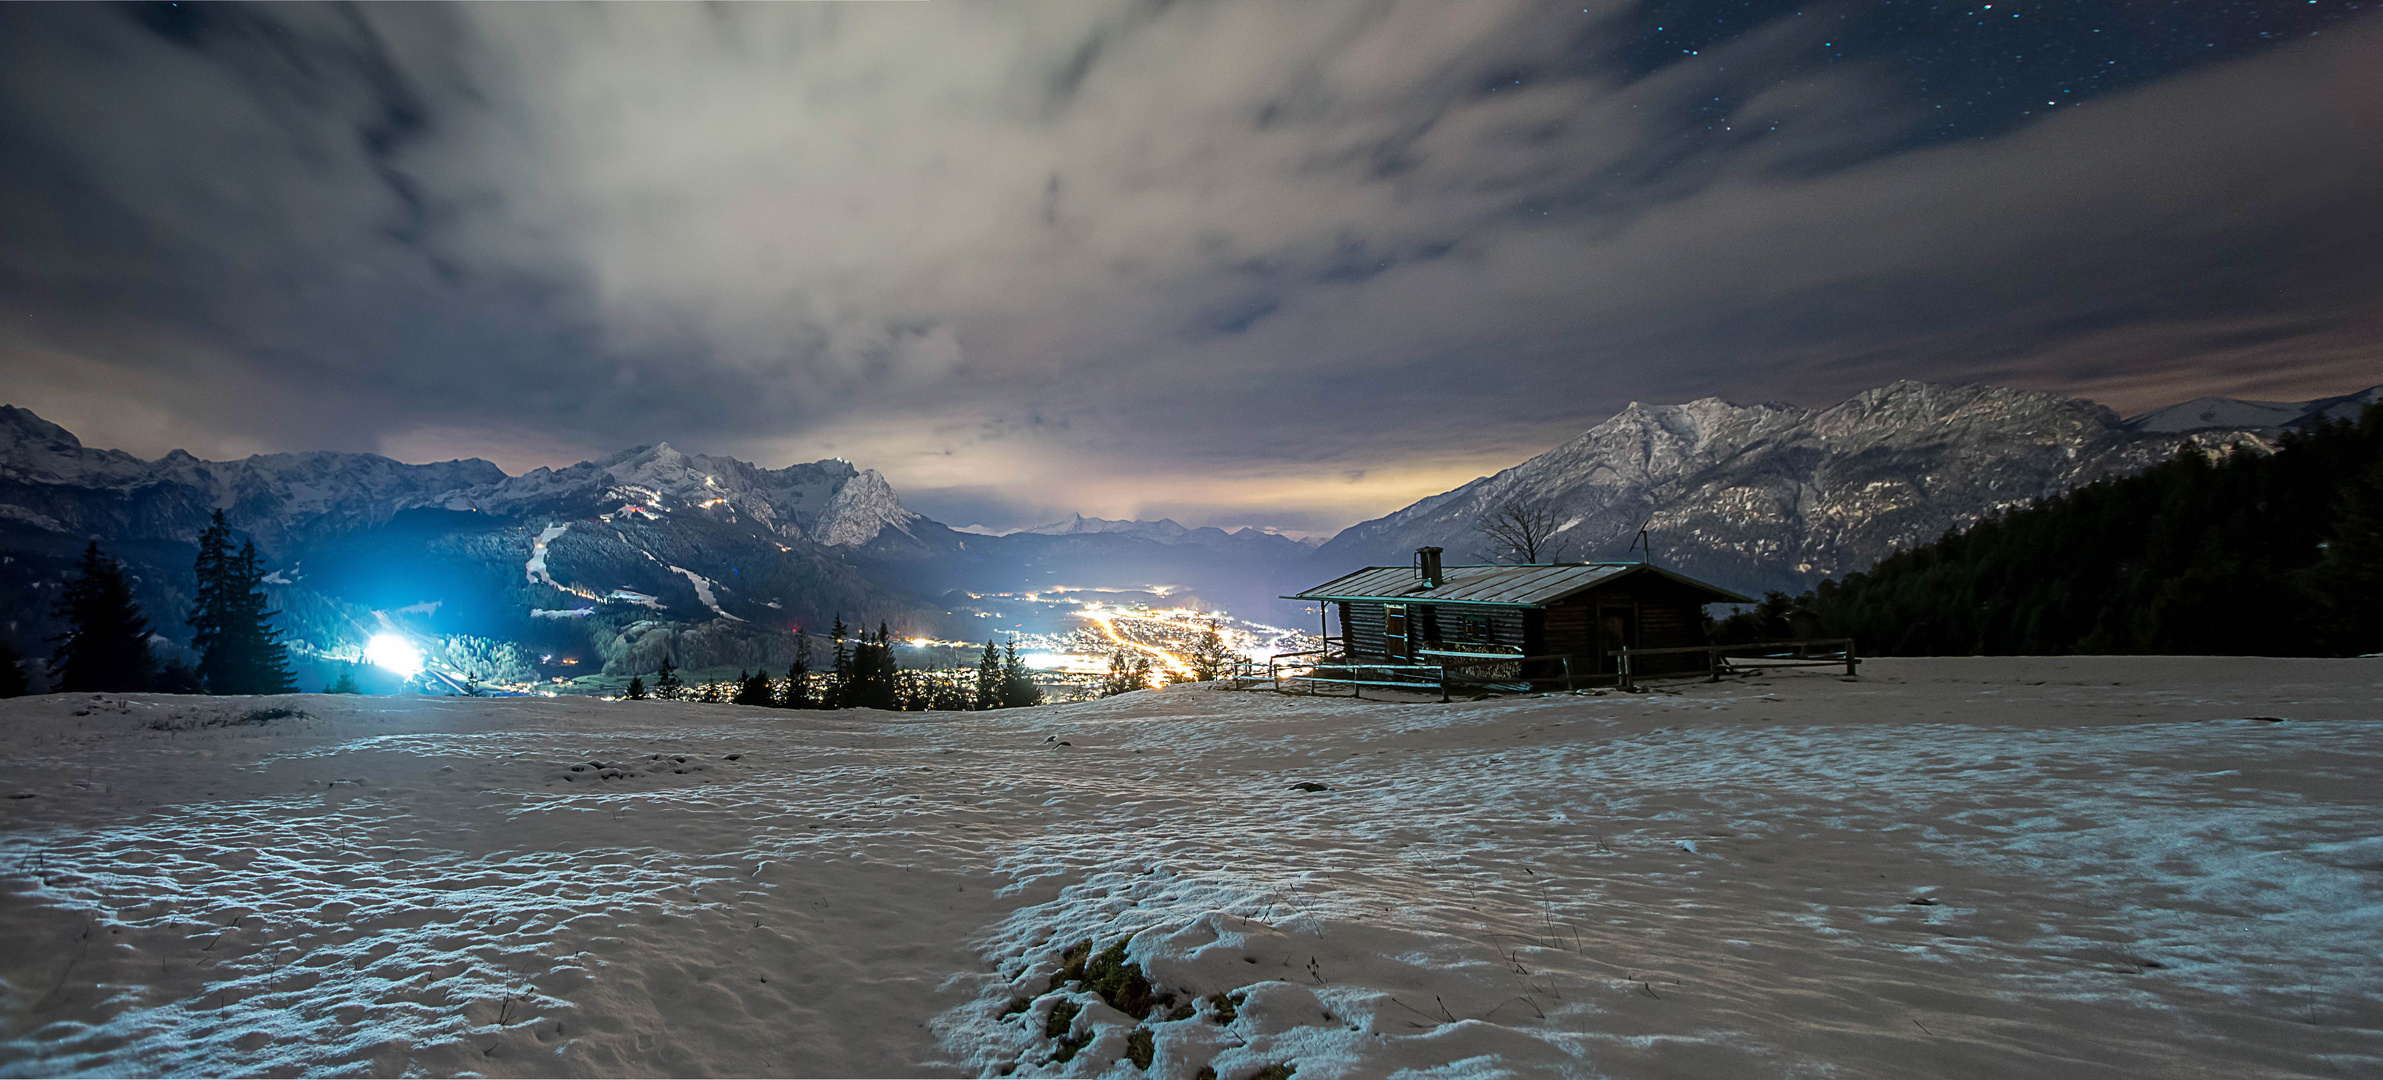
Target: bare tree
(1522,529)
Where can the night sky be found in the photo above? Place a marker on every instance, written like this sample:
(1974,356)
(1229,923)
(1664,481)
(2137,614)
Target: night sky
(1279,264)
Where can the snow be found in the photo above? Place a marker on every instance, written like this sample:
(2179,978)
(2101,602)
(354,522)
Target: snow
(703,590)
(2127,874)
(537,563)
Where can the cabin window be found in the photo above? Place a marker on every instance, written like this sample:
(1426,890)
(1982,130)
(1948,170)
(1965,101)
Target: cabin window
(1476,627)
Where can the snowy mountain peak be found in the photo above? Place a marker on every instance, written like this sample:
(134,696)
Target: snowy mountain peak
(1775,496)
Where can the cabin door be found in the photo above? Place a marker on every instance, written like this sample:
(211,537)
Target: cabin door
(1394,633)
(1617,628)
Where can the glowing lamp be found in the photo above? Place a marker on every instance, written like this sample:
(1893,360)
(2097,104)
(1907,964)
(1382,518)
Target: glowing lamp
(390,653)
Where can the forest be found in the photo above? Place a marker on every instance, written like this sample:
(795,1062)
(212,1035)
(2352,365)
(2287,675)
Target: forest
(2254,554)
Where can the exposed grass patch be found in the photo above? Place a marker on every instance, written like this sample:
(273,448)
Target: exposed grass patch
(1119,983)
(1274,1072)
(1063,1017)
(1140,1048)
(1226,1006)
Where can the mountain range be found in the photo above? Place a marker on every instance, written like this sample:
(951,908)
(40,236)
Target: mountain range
(1776,496)
(612,564)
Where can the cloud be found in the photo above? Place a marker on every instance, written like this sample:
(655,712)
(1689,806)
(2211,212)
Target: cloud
(1113,257)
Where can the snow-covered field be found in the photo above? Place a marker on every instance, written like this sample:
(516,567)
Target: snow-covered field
(1959,868)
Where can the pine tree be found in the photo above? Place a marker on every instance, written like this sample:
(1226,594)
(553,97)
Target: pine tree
(2347,580)
(839,676)
(210,610)
(176,677)
(1018,690)
(1126,674)
(346,683)
(636,690)
(13,680)
(988,678)
(106,643)
(755,689)
(240,649)
(1210,657)
(798,677)
(666,681)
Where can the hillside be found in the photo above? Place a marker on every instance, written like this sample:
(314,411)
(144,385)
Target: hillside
(2276,554)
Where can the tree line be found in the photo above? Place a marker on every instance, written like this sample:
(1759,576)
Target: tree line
(861,674)
(2253,554)
(105,646)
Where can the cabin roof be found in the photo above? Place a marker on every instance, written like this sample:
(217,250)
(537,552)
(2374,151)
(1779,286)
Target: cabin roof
(1499,585)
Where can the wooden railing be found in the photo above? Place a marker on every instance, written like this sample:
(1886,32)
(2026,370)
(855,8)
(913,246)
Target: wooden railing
(1777,651)
(1442,676)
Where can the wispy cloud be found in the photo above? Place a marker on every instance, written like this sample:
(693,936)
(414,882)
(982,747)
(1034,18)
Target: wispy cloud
(1199,259)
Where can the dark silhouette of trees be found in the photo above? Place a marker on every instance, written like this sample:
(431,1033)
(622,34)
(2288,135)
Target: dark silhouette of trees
(1126,674)
(14,682)
(1209,656)
(666,681)
(755,689)
(2257,554)
(989,677)
(798,693)
(346,684)
(636,689)
(106,643)
(839,674)
(1018,690)
(240,651)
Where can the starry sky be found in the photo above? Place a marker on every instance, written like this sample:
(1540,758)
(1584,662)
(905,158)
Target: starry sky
(1288,265)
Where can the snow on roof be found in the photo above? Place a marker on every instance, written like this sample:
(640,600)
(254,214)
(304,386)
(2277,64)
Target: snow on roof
(1528,585)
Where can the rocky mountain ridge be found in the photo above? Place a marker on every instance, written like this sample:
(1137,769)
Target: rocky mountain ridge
(1779,496)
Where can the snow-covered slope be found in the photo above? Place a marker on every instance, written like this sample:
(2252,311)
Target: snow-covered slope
(2069,867)
(2217,412)
(1775,496)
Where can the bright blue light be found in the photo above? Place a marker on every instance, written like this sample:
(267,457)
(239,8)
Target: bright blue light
(390,652)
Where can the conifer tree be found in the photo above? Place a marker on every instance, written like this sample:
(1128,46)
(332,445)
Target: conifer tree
(666,681)
(106,643)
(798,678)
(839,678)
(755,689)
(346,683)
(240,651)
(13,680)
(1018,690)
(636,689)
(177,677)
(1210,656)
(211,609)
(988,678)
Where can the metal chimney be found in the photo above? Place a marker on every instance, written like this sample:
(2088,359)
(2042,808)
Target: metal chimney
(1427,565)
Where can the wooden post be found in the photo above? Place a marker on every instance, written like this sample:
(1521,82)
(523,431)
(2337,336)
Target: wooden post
(1443,682)
(1568,673)
(1625,684)
(1850,661)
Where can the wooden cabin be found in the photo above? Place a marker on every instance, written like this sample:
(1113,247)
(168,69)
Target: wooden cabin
(1396,614)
